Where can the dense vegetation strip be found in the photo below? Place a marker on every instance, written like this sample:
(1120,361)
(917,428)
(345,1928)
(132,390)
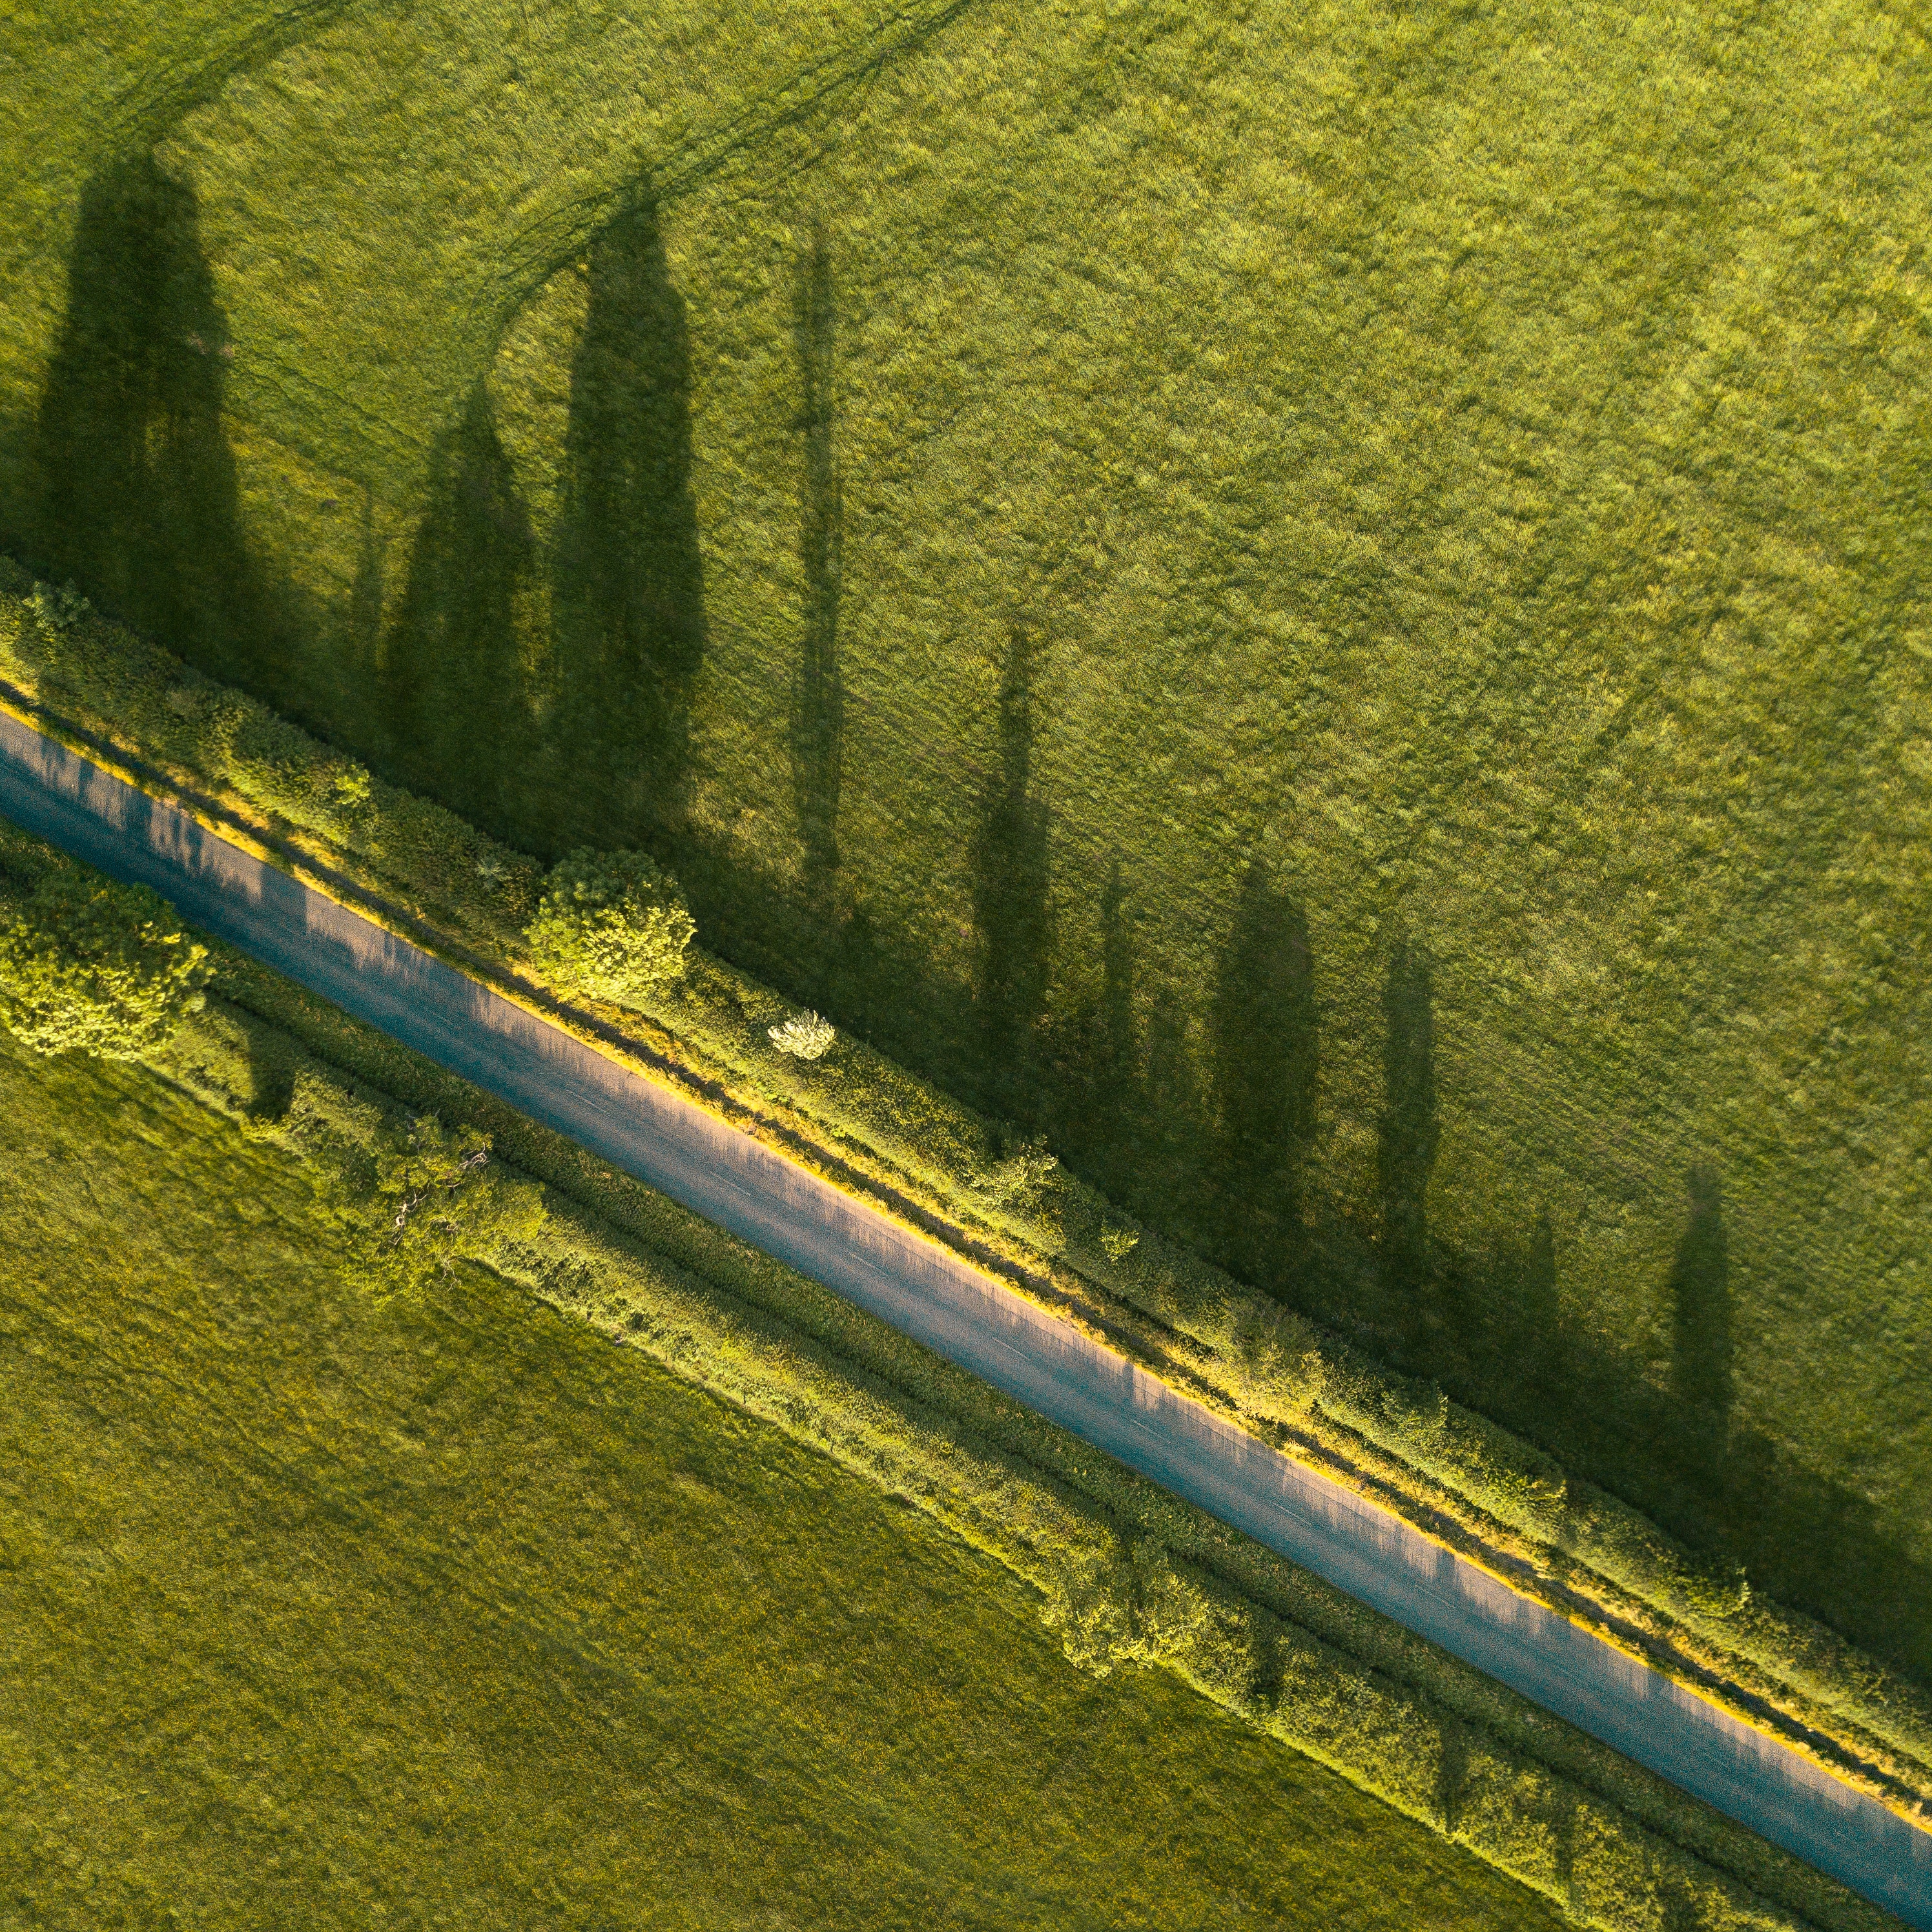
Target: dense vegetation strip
(874,1126)
(411,1204)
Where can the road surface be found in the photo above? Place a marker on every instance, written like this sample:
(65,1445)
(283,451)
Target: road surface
(934,1295)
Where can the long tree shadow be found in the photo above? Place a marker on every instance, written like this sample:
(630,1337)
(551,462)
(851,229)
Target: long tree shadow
(455,718)
(1407,1135)
(1700,1306)
(1265,1056)
(627,594)
(362,627)
(1090,1100)
(1009,893)
(1114,1122)
(135,496)
(817,697)
(1672,1447)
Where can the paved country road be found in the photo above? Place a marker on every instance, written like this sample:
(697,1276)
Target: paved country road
(934,1295)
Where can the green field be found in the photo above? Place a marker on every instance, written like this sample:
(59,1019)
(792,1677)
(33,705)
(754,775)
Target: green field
(449,1612)
(1323,605)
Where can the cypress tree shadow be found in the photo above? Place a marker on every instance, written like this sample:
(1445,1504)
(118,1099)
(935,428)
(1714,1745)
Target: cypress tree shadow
(1175,1123)
(1405,1148)
(817,701)
(365,624)
(1265,1056)
(1677,1453)
(135,496)
(1119,1082)
(1538,1312)
(1700,1301)
(1009,893)
(628,628)
(1509,1296)
(1088,1101)
(455,711)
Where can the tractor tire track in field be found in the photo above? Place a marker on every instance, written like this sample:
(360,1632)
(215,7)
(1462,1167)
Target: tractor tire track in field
(145,112)
(968,1317)
(524,258)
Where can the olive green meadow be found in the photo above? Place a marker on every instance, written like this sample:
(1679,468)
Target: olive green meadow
(1320,609)
(450,1612)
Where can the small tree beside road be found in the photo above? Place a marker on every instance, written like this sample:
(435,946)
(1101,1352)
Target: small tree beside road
(612,925)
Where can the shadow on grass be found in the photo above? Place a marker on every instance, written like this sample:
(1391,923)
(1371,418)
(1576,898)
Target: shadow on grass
(1010,910)
(1406,1136)
(1671,1445)
(817,699)
(1264,1049)
(628,623)
(136,497)
(1204,1135)
(1700,1306)
(547,696)
(455,720)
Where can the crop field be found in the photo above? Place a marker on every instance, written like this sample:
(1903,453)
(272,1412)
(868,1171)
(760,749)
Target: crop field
(1324,604)
(444,1611)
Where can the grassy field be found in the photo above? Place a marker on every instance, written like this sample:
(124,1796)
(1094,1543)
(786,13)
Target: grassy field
(449,1612)
(1322,605)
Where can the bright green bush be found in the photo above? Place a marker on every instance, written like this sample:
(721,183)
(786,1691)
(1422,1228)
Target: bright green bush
(612,925)
(1021,1176)
(445,1200)
(103,968)
(427,1195)
(57,609)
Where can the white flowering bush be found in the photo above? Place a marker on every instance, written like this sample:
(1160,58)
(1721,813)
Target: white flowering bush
(611,924)
(806,1035)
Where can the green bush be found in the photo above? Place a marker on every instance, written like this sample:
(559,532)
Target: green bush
(57,609)
(444,1200)
(611,924)
(103,968)
(1020,1177)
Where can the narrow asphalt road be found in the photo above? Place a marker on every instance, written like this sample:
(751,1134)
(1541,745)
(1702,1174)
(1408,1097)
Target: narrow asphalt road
(930,1294)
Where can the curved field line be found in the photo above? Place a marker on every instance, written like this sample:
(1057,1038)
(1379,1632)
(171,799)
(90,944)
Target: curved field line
(526,257)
